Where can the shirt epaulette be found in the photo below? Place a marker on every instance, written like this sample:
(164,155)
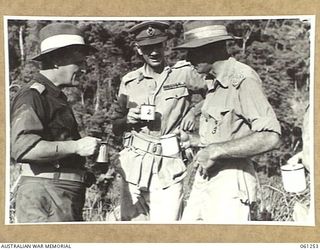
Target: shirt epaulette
(239,73)
(38,87)
(131,76)
(181,64)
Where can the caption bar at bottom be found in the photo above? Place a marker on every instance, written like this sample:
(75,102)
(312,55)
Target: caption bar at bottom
(160,246)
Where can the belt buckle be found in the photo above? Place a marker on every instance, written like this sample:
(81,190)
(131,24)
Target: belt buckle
(154,148)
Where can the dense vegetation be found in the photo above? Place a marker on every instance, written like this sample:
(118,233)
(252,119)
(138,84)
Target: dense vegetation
(278,49)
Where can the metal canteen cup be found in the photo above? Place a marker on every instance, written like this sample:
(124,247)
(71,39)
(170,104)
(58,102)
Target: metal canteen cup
(103,154)
(293,178)
(147,112)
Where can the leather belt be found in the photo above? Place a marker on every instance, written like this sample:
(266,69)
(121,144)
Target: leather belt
(79,177)
(143,144)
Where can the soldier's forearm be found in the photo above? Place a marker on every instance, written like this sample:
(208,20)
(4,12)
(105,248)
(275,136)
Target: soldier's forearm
(45,151)
(248,146)
(197,108)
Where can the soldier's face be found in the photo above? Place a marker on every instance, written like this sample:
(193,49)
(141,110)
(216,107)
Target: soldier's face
(70,66)
(153,54)
(201,59)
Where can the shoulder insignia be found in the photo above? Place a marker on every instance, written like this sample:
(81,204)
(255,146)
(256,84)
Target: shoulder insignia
(236,79)
(132,76)
(238,72)
(38,87)
(181,64)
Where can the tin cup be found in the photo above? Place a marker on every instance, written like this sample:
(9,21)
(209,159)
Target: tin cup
(103,154)
(147,112)
(293,178)
(170,145)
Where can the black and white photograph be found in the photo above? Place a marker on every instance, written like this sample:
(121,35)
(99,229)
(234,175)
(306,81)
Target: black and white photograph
(160,120)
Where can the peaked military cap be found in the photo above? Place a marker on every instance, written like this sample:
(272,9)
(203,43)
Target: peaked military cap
(150,32)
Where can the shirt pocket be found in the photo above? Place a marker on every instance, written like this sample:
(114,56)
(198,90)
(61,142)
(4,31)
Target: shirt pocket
(211,121)
(177,93)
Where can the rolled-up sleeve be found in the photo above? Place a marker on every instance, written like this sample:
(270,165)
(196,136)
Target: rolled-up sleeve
(26,125)
(256,109)
(119,112)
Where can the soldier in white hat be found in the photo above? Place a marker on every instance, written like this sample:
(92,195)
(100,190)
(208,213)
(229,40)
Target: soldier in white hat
(236,122)
(153,174)
(44,133)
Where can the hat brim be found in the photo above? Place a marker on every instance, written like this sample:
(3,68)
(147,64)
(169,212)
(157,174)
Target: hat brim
(203,41)
(88,49)
(152,41)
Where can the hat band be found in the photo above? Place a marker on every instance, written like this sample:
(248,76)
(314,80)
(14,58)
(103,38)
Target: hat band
(205,32)
(138,39)
(59,41)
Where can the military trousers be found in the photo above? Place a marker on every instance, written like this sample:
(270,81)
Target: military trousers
(225,197)
(155,204)
(48,200)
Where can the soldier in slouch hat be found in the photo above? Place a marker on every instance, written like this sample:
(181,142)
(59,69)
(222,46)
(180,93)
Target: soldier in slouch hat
(44,133)
(236,123)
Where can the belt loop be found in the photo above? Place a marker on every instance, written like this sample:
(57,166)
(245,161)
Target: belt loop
(56,176)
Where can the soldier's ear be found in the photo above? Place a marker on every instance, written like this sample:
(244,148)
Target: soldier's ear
(138,49)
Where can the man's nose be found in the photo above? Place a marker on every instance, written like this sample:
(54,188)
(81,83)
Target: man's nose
(82,66)
(154,52)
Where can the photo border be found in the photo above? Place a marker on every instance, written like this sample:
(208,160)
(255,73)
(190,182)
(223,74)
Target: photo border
(155,232)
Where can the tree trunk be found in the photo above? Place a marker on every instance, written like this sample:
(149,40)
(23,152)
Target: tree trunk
(96,108)
(244,41)
(109,90)
(21,44)
(82,98)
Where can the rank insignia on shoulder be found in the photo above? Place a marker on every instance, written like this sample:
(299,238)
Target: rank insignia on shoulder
(180,64)
(38,87)
(174,85)
(132,76)
(236,79)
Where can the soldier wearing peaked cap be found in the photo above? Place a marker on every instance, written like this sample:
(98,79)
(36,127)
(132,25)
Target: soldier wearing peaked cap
(152,186)
(236,122)
(44,133)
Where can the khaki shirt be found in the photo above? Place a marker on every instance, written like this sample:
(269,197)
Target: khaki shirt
(169,93)
(235,105)
(40,111)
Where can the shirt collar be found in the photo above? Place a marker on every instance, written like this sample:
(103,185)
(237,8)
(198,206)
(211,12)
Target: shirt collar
(220,70)
(53,89)
(146,72)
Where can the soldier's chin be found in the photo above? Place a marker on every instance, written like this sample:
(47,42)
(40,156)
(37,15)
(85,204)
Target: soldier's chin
(73,82)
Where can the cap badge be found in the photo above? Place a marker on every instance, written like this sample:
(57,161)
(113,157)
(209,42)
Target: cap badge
(150,31)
